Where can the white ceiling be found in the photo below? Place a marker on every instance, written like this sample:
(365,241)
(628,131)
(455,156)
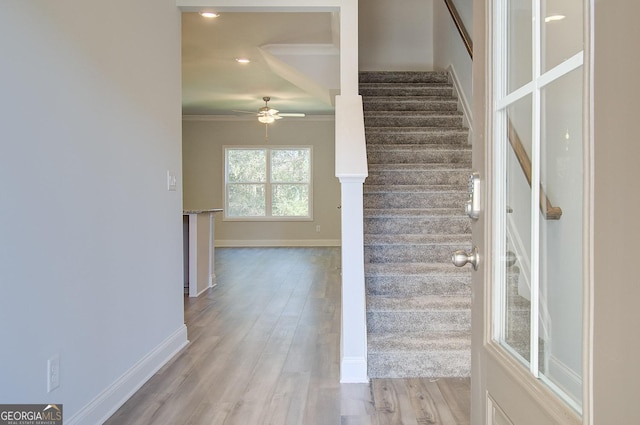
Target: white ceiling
(294,60)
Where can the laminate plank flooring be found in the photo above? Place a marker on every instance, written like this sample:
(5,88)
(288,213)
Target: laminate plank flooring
(264,349)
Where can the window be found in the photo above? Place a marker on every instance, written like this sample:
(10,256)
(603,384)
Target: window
(271,183)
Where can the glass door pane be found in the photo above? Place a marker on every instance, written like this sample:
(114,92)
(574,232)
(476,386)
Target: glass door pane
(561,244)
(516,244)
(561,31)
(518,43)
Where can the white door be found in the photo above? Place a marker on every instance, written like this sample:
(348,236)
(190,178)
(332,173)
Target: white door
(531,153)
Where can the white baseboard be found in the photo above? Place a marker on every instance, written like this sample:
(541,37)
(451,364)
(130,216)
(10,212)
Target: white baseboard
(565,377)
(114,396)
(353,370)
(201,292)
(462,99)
(234,243)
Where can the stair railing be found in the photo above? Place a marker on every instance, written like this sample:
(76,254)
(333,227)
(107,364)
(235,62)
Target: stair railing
(462,30)
(548,211)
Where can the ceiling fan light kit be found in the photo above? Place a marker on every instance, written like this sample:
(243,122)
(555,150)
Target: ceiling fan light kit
(267,115)
(266,119)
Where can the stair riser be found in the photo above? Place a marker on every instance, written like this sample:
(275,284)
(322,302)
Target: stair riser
(410,106)
(418,321)
(409,253)
(416,200)
(432,178)
(417,225)
(408,121)
(411,286)
(448,364)
(411,138)
(403,77)
(407,90)
(421,156)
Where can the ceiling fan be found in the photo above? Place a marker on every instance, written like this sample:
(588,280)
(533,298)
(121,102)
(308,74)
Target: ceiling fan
(268,115)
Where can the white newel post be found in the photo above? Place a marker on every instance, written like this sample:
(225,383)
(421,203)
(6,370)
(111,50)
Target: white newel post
(353,366)
(351,170)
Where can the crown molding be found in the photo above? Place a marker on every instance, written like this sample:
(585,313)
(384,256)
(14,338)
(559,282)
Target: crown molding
(231,118)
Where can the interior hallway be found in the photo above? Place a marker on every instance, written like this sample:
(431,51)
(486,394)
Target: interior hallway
(264,349)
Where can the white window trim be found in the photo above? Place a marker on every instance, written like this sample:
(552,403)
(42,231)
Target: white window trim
(267,218)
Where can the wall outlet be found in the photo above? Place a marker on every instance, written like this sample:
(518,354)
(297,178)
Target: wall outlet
(318,228)
(53,373)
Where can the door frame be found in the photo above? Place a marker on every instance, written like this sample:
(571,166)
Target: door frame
(486,353)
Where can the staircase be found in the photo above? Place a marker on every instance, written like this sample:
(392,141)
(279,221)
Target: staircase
(418,303)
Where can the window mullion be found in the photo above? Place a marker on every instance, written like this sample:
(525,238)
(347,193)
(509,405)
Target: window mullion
(268,189)
(535,192)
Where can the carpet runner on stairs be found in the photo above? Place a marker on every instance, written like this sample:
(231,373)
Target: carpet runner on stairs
(418,303)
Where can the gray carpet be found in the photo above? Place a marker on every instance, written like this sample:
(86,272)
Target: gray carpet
(418,303)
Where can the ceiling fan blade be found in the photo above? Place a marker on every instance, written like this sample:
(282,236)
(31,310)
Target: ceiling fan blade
(272,111)
(292,114)
(244,112)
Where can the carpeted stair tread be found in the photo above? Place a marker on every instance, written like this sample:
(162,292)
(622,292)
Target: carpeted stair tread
(398,85)
(387,136)
(409,99)
(429,303)
(393,135)
(415,279)
(409,167)
(413,269)
(398,200)
(417,189)
(445,176)
(431,319)
(429,104)
(423,158)
(420,341)
(418,130)
(403,77)
(399,147)
(426,354)
(403,114)
(418,284)
(416,224)
(412,121)
(428,239)
(412,212)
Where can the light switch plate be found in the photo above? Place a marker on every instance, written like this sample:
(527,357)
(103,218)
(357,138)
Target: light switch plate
(171,181)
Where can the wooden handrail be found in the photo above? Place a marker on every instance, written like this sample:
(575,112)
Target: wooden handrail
(462,30)
(548,211)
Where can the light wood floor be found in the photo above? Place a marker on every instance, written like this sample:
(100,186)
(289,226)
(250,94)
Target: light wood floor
(264,349)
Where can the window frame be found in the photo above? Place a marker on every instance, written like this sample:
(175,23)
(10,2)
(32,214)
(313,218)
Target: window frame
(268,217)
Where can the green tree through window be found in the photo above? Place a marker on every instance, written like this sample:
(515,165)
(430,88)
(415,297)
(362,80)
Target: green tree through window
(268,183)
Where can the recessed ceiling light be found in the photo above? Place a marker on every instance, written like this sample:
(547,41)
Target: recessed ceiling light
(551,18)
(209,14)
(243,60)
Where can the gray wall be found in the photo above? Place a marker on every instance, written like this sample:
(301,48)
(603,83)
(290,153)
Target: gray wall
(90,258)
(395,35)
(449,50)
(203,168)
